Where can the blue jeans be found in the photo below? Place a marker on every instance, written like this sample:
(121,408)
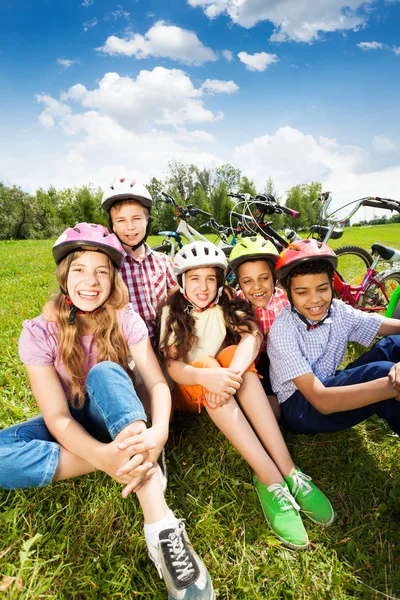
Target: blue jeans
(301,417)
(28,452)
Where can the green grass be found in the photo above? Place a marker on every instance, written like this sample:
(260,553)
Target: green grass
(87,542)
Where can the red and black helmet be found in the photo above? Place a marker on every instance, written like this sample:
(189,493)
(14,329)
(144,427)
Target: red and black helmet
(301,252)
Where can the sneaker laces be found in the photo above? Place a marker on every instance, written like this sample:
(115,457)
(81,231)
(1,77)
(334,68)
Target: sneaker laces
(180,559)
(283,496)
(300,482)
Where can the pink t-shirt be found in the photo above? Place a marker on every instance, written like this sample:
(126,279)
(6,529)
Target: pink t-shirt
(38,343)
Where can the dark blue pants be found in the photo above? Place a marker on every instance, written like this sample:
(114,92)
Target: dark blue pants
(301,417)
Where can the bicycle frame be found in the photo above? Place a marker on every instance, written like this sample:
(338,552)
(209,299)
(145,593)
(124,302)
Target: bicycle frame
(188,232)
(352,294)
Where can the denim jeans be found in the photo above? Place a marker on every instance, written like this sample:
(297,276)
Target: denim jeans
(28,452)
(301,417)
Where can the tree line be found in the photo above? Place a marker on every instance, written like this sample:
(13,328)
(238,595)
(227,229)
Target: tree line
(46,213)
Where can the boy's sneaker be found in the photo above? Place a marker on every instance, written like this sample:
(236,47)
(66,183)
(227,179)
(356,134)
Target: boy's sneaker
(282,514)
(162,471)
(185,575)
(312,501)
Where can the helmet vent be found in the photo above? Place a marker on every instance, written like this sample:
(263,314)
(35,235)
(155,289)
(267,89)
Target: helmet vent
(77,229)
(206,251)
(194,251)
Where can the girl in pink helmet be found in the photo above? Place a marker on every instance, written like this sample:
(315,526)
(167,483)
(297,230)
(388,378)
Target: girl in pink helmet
(91,417)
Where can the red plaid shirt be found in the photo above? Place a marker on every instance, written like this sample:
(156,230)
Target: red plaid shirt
(266,315)
(148,282)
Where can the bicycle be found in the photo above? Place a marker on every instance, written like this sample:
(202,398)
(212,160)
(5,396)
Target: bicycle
(353,260)
(376,288)
(172,242)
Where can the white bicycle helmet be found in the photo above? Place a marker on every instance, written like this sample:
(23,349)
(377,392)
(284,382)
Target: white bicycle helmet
(197,255)
(125,189)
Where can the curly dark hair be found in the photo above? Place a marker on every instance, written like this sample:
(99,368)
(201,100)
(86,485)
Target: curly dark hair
(312,267)
(180,323)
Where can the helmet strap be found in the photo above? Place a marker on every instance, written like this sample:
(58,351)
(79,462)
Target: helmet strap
(302,318)
(193,306)
(74,310)
(142,241)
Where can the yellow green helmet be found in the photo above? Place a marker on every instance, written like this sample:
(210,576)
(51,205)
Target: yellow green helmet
(252,248)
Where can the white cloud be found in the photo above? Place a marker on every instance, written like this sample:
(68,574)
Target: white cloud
(293,20)
(158,97)
(66,63)
(258,61)
(90,24)
(228,55)
(216,86)
(396,50)
(87,3)
(120,13)
(161,41)
(370,46)
(293,157)
(381,143)
(53,110)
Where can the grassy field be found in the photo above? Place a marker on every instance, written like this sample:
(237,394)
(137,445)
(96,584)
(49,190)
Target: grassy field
(79,540)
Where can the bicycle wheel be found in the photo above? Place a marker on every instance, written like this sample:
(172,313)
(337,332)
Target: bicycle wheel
(373,295)
(353,262)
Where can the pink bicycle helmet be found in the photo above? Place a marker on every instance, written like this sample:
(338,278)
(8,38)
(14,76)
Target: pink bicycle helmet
(125,189)
(88,235)
(301,252)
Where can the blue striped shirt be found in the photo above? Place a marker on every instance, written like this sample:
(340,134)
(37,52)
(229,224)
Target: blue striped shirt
(294,351)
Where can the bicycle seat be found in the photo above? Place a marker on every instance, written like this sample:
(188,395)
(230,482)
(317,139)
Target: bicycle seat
(322,230)
(389,254)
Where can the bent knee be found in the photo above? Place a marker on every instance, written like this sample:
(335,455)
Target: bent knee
(204,362)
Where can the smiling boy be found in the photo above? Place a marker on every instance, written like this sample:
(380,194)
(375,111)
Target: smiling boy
(147,274)
(308,342)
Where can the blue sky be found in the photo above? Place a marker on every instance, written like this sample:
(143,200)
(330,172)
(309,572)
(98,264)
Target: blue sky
(298,91)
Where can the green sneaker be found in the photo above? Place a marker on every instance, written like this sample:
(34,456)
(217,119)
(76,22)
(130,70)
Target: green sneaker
(312,501)
(282,514)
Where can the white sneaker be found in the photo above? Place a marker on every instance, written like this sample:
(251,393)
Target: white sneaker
(184,573)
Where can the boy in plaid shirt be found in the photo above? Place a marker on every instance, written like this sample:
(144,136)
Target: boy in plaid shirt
(148,275)
(253,261)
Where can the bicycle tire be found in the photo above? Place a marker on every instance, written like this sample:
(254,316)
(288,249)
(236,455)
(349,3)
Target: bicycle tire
(373,296)
(353,261)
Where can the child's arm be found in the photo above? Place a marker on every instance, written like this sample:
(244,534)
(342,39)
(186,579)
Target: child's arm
(389,327)
(160,398)
(246,352)
(219,381)
(53,405)
(328,400)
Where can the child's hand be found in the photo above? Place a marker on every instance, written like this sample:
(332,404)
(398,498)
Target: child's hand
(222,382)
(394,378)
(215,401)
(152,440)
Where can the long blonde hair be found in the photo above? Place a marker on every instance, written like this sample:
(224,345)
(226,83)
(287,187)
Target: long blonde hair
(108,336)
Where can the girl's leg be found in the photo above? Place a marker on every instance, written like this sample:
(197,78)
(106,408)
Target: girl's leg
(170,549)
(230,419)
(69,465)
(259,412)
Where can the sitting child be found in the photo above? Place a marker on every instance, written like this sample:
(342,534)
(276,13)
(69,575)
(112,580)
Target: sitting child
(195,323)
(308,342)
(253,261)
(91,417)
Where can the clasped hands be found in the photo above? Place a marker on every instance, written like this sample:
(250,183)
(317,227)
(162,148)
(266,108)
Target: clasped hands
(221,384)
(131,457)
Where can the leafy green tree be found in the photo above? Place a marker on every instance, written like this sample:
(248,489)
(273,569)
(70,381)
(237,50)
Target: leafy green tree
(303,198)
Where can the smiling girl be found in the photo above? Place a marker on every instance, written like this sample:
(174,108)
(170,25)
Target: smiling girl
(196,323)
(91,417)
